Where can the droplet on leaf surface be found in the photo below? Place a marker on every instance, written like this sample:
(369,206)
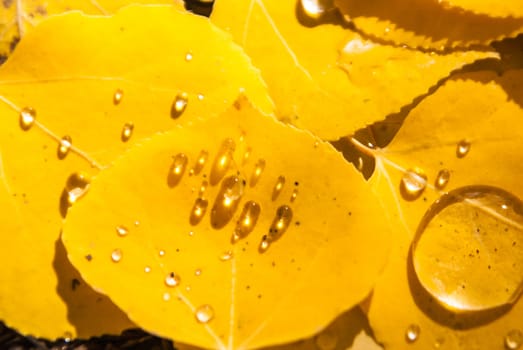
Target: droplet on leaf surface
(278,187)
(442,179)
(127,131)
(413,184)
(76,187)
(256,173)
(468,236)
(223,160)
(513,339)
(412,333)
(117,97)
(314,9)
(281,223)
(64,146)
(463,148)
(200,162)
(172,280)
(27,118)
(122,230)
(204,313)
(177,169)
(226,202)
(179,104)
(247,220)
(116,255)
(198,211)
(188,57)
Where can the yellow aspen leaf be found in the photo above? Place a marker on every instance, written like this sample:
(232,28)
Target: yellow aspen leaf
(492,8)
(237,230)
(78,91)
(20,16)
(326,78)
(427,24)
(451,179)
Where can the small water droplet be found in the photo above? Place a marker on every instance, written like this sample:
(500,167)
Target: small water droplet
(203,188)
(197,272)
(413,184)
(477,232)
(278,187)
(201,97)
(117,97)
(166,296)
(76,187)
(264,244)
(161,253)
(223,160)
(64,146)
(442,179)
(68,336)
(116,255)
(191,233)
(179,105)
(177,169)
(200,162)
(188,288)
(256,173)
(513,339)
(412,333)
(226,256)
(147,269)
(204,313)
(137,223)
(281,223)
(294,195)
(198,211)
(247,220)
(27,118)
(246,155)
(463,148)
(314,9)
(122,230)
(226,202)
(127,131)
(188,57)
(172,280)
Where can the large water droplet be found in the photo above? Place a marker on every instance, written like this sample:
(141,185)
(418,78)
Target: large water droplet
(172,280)
(179,105)
(256,173)
(121,230)
(442,179)
(117,97)
(198,211)
(64,146)
(247,220)
(127,131)
(278,187)
(468,236)
(116,255)
(223,160)
(204,313)
(462,148)
(281,223)
(226,202)
(413,184)
(513,339)
(200,162)
(177,169)
(314,9)
(76,187)
(27,118)
(412,333)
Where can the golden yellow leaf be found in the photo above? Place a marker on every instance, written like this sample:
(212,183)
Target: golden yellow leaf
(20,16)
(427,24)
(513,8)
(451,179)
(187,245)
(324,77)
(105,84)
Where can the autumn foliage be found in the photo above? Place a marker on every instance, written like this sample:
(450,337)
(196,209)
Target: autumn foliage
(332,174)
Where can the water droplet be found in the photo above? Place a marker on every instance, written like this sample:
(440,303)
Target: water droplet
(122,230)
(200,162)
(281,223)
(278,187)
(166,296)
(256,173)
(198,211)
(247,220)
(264,244)
(246,155)
(204,313)
(412,333)
(147,269)
(314,9)
(326,340)
(161,253)
(76,187)
(64,146)
(191,233)
(197,272)
(223,160)
(203,188)
(177,169)
(188,57)
(27,118)
(127,131)
(470,235)
(172,280)
(294,195)
(413,184)
(68,336)
(513,339)
(439,342)
(226,256)
(179,105)
(137,223)
(442,179)
(201,97)
(116,255)
(226,202)
(117,97)
(463,148)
